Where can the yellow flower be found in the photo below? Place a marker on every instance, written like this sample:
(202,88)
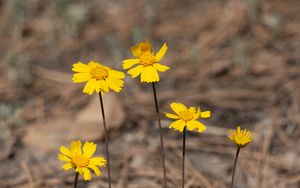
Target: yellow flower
(81,160)
(240,137)
(147,60)
(187,117)
(98,77)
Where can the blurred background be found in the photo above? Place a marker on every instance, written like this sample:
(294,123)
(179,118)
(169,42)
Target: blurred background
(238,58)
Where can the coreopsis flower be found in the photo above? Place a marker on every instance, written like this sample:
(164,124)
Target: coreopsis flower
(99,78)
(240,137)
(81,160)
(187,117)
(146,61)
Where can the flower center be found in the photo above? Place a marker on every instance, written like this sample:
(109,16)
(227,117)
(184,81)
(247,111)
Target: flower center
(241,139)
(99,72)
(147,58)
(186,115)
(80,161)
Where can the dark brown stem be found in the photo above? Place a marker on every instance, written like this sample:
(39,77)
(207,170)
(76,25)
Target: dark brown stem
(106,139)
(76,179)
(183,154)
(234,165)
(161,136)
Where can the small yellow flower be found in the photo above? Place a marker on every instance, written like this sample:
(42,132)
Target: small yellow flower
(81,160)
(240,137)
(98,77)
(147,60)
(187,117)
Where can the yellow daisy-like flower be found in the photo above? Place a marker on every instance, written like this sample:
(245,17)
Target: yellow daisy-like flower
(147,62)
(187,117)
(98,77)
(81,159)
(240,137)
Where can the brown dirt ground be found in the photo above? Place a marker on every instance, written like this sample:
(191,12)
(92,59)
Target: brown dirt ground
(239,59)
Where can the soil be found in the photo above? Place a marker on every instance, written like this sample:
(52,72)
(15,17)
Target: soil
(238,59)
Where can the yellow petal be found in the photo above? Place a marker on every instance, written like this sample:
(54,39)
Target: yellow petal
(160,67)
(79,170)
(161,53)
(205,114)
(177,125)
(136,51)
(177,107)
(65,151)
(98,86)
(97,161)
(231,137)
(116,74)
(81,77)
(95,169)
(63,158)
(80,67)
(117,81)
(134,72)
(90,86)
(89,149)
(128,63)
(115,84)
(145,46)
(197,115)
(149,75)
(192,109)
(75,147)
(67,166)
(172,116)
(191,125)
(86,174)
(93,63)
(174,124)
(103,86)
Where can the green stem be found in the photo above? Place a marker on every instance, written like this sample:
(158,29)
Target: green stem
(106,139)
(161,136)
(183,155)
(234,165)
(76,179)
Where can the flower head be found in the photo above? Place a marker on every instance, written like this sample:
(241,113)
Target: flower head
(147,62)
(187,117)
(81,160)
(98,77)
(240,137)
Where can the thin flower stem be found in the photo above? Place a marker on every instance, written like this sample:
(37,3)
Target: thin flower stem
(106,139)
(183,154)
(161,136)
(76,179)
(234,165)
